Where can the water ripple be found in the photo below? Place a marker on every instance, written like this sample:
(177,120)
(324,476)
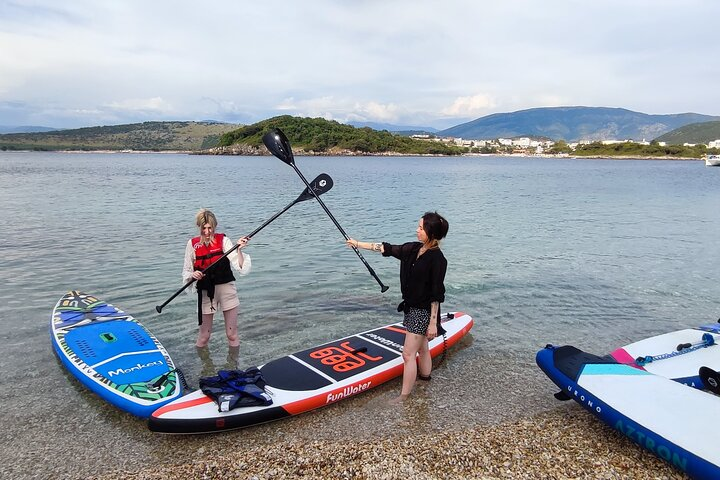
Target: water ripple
(593,253)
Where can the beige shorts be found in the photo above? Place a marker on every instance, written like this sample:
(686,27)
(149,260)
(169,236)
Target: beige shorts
(225,298)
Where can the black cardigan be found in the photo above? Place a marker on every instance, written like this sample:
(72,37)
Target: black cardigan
(421,279)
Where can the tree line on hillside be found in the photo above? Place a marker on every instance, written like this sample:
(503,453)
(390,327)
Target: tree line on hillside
(147,136)
(631,149)
(694,133)
(319,136)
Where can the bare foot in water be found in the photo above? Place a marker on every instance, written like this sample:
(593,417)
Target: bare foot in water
(398,400)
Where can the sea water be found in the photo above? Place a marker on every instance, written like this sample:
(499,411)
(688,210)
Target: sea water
(594,253)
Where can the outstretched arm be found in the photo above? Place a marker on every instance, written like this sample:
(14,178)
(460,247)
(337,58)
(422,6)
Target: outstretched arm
(375,247)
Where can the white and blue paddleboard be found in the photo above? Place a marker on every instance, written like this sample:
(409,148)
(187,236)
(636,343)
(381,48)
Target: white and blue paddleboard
(676,355)
(677,423)
(112,354)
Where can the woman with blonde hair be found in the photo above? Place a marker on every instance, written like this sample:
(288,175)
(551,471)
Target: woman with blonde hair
(216,286)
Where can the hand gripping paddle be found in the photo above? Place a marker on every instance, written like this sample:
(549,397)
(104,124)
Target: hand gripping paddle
(320,185)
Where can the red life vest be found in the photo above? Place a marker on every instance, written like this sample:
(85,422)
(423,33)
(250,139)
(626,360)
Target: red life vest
(206,255)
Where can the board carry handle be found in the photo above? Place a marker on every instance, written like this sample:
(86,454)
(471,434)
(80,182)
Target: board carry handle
(320,185)
(707,340)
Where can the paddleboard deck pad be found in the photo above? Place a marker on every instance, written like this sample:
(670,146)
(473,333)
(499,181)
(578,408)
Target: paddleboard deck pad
(308,379)
(112,354)
(677,423)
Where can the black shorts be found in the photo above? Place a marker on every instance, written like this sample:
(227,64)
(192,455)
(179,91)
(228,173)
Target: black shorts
(417,320)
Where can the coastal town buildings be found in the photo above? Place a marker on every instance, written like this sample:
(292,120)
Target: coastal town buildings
(530,146)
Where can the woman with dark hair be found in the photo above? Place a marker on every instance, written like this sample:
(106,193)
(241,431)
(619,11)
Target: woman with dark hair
(422,276)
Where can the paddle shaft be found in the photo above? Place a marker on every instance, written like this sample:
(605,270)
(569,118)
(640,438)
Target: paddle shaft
(159,308)
(383,287)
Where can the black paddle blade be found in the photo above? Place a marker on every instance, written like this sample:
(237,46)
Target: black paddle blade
(278,144)
(322,183)
(711,379)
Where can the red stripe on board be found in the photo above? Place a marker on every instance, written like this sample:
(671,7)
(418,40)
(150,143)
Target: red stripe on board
(395,329)
(327,398)
(180,405)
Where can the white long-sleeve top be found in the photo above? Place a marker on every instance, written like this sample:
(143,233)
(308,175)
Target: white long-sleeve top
(233,258)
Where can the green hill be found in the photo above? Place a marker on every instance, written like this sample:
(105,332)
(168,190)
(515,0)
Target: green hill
(637,150)
(703,132)
(147,136)
(320,136)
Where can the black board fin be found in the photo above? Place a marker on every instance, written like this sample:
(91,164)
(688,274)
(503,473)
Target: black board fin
(562,396)
(711,379)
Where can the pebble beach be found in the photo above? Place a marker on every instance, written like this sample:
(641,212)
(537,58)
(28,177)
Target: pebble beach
(467,422)
(567,443)
(513,429)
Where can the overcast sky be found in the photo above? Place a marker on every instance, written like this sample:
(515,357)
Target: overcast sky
(407,62)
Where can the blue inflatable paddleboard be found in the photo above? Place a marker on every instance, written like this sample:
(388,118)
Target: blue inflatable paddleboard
(674,421)
(112,354)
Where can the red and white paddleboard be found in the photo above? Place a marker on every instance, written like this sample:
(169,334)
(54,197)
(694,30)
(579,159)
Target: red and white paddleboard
(309,379)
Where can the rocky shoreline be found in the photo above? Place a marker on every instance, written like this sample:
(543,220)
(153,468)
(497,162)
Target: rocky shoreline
(249,151)
(563,443)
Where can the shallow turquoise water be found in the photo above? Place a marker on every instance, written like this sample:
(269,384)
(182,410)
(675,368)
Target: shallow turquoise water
(595,253)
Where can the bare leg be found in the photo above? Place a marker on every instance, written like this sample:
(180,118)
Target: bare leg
(231,362)
(205,330)
(207,367)
(413,343)
(231,326)
(424,359)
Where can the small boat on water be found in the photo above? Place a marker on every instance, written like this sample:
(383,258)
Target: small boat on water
(712,161)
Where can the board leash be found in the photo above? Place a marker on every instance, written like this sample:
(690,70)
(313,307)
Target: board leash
(449,316)
(707,341)
(157,384)
(445,350)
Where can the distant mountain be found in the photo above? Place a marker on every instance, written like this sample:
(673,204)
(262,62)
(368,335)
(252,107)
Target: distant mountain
(694,133)
(574,124)
(151,136)
(24,129)
(392,128)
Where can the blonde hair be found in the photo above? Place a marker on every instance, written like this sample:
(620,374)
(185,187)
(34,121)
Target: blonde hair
(204,216)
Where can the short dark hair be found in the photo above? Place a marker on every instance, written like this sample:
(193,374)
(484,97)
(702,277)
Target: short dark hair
(435,226)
